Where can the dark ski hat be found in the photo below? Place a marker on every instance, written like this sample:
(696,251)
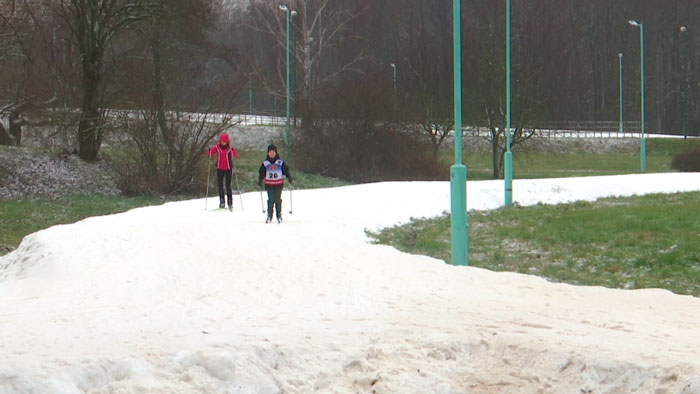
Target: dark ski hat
(271,147)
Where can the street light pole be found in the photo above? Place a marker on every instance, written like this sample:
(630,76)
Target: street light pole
(250,97)
(643,136)
(458,172)
(508,160)
(622,124)
(288,136)
(393,66)
(684,83)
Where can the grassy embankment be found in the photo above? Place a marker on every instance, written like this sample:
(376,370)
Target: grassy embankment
(638,242)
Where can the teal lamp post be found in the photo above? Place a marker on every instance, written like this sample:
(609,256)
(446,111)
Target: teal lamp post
(393,67)
(458,172)
(508,160)
(684,83)
(288,136)
(622,122)
(642,135)
(250,97)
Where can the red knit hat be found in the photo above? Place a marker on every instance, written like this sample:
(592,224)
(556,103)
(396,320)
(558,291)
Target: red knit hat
(224,139)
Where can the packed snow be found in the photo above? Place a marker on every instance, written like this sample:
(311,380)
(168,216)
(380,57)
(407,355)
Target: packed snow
(181,298)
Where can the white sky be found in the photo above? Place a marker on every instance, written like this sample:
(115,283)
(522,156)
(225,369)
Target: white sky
(178,299)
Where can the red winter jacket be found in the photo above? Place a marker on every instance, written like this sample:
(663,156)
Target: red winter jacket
(225,154)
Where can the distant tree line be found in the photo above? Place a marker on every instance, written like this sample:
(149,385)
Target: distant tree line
(64,62)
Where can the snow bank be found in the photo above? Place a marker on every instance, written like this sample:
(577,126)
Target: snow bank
(176,299)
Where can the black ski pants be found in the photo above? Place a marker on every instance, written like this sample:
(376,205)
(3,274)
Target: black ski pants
(274,199)
(221,176)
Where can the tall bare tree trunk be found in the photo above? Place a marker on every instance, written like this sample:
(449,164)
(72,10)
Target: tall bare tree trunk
(167,132)
(5,138)
(93,24)
(158,85)
(496,154)
(89,125)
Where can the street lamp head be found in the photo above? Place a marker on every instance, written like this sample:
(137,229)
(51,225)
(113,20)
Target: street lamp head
(634,23)
(294,13)
(283,7)
(683,29)
(619,55)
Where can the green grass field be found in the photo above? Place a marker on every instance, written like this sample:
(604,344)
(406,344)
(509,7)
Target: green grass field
(635,242)
(19,218)
(533,164)
(640,242)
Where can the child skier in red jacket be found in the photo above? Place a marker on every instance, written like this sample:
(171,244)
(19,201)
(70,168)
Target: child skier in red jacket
(225,154)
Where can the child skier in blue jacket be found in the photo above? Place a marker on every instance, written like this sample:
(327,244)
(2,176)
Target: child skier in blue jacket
(273,170)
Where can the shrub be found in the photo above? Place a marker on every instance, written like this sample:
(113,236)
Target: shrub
(152,166)
(688,161)
(354,136)
(366,152)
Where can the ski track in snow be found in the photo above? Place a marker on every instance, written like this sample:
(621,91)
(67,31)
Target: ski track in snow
(179,299)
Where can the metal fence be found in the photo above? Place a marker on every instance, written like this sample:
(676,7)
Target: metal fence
(588,129)
(260,120)
(579,130)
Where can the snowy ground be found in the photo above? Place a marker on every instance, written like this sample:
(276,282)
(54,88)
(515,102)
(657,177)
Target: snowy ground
(179,299)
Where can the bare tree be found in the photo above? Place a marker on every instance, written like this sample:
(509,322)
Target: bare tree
(25,85)
(321,40)
(424,37)
(93,25)
(535,41)
(185,84)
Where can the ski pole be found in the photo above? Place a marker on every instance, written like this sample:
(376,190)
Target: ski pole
(290,199)
(206,195)
(261,200)
(238,186)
